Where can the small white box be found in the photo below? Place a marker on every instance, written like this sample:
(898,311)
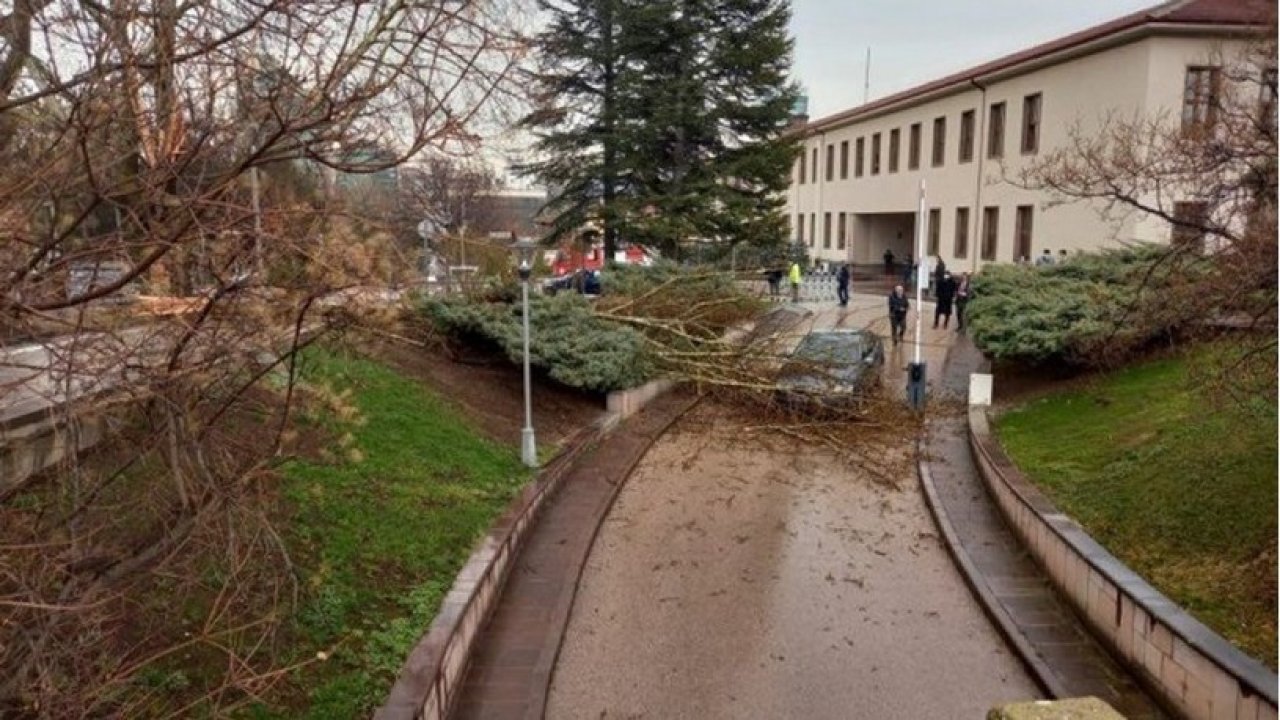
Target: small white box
(980,389)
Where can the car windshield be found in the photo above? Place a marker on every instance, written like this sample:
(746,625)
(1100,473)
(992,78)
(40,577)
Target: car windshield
(831,348)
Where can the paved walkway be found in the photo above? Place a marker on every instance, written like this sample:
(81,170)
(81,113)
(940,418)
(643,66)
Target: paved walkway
(744,574)
(1075,662)
(511,669)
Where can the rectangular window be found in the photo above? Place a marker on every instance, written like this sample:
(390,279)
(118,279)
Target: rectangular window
(831,162)
(966,136)
(1200,98)
(1031,124)
(858,151)
(962,233)
(1022,233)
(875,154)
(813,171)
(803,166)
(826,231)
(995,132)
(840,232)
(844,160)
(913,148)
(799,227)
(939,141)
(1189,220)
(895,140)
(990,230)
(935,231)
(813,228)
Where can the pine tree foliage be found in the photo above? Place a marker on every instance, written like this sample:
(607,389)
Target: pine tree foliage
(663,120)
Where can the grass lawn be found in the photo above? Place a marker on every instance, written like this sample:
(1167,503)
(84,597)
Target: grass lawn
(1182,488)
(380,529)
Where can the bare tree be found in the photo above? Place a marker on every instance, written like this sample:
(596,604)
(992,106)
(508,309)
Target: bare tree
(194,144)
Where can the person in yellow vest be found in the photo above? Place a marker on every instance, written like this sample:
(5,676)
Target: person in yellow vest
(794,276)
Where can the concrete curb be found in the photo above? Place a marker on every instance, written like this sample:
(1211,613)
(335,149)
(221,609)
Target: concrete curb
(428,684)
(1186,665)
(991,605)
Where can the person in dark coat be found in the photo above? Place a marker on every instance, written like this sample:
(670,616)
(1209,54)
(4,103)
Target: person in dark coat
(842,285)
(939,270)
(946,294)
(888,261)
(898,307)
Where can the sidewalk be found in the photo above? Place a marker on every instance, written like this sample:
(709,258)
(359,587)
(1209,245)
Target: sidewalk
(1017,594)
(511,669)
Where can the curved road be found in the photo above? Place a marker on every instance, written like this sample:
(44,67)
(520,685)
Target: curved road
(747,576)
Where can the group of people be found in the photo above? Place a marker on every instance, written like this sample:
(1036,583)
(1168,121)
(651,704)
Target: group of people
(1045,258)
(950,294)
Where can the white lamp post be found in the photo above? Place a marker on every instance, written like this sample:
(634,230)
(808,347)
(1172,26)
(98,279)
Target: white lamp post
(524,248)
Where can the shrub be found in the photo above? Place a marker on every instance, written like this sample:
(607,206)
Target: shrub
(1090,310)
(566,339)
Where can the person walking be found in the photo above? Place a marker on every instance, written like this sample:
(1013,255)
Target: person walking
(963,292)
(946,293)
(888,261)
(939,270)
(1046,258)
(898,307)
(794,276)
(842,285)
(774,276)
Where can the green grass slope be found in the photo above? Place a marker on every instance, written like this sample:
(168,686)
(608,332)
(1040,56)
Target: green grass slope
(1179,487)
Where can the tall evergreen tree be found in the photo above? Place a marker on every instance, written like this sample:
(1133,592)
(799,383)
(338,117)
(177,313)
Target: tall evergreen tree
(575,114)
(664,119)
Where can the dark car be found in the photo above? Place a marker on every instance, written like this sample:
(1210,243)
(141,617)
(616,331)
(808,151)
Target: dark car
(585,281)
(831,368)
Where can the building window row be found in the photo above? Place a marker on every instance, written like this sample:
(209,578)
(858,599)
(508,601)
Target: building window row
(1198,108)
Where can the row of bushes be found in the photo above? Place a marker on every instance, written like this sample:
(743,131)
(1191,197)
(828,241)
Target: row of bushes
(1090,310)
(607,345)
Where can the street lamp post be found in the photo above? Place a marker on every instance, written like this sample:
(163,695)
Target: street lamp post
(524,248)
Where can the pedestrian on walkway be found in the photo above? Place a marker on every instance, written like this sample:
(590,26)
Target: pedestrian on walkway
(888,261)
(774,276)
(946,293)
(963,292)
(898,307)
(842,285)
(794,276)
(939,270)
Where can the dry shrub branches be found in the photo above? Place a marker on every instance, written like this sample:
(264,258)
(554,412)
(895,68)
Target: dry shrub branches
(208,155)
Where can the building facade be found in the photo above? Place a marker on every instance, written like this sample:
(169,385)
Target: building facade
(855,188)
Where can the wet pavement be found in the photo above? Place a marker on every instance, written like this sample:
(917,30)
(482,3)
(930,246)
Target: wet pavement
(747,576)
(1072,661)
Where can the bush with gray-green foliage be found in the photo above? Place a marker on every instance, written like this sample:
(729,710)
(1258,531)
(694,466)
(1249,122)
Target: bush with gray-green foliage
(1089,310)
(567,340)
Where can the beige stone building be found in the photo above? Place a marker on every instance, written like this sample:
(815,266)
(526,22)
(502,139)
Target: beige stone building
(855,188)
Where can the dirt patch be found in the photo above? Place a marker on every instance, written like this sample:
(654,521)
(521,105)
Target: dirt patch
(490,391)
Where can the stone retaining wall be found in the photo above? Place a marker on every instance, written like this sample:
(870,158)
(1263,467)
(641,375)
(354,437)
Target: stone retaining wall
(430,680)
(1192,669)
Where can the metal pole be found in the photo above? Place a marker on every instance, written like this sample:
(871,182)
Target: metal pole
(916,375)
(528,446)
(257,221)
(920,268)
(866,78)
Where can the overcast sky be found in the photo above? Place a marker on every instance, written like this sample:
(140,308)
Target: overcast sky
(915,41)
